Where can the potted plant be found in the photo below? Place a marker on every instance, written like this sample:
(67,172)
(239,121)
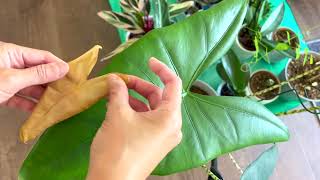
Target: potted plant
(306,87)
(287,36)
(212,125)
(262,80)
(234,74)
(201,87)
(258,24)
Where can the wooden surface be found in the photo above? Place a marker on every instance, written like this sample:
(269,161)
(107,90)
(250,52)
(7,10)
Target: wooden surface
(69,28)
(307,13)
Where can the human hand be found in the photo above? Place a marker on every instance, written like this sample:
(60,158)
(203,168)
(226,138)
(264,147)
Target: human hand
(135,137)
(23,72)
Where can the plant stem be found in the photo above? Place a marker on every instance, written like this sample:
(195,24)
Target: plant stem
(213,176)
(286,82)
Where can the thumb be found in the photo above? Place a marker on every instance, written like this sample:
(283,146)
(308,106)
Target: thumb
(117,92)
(41,74)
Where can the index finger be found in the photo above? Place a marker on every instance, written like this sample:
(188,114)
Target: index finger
(29,57)
(173,85)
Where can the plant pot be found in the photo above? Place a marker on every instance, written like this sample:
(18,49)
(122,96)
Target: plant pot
(309,83)
(280,36)
(201,87)
(243,51)
(261,80)
(224,90)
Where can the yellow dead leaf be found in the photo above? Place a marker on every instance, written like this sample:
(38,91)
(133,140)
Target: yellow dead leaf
(68,96)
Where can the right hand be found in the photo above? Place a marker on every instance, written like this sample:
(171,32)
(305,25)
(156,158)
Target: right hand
(135,137)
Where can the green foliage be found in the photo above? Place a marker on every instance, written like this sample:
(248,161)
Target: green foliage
(212,125)
(273,21)
(164,13)
(263,166)
(231,70)
(135,17)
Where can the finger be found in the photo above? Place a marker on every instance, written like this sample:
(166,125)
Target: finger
(173,86)
(21,103)
(33,91)
(146,89)
(138,105)
(117,92)
(40,74)
(28,57)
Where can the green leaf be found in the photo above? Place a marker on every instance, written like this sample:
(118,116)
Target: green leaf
(161,14)
(121,20)
(274,20)
(270,45)
(262,9)
(236,74)
(222,73)
(177,8)
(262,168)
(211,125)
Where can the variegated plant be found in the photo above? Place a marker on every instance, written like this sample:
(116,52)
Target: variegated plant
(136,19)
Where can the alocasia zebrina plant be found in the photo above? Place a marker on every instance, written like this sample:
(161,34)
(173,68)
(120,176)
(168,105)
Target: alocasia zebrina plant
(211,125)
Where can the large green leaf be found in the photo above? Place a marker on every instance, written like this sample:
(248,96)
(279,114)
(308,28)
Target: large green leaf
(274,20)
(263,166)
(233,72)
(211,125)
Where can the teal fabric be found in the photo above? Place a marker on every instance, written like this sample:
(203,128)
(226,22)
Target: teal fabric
(211,77)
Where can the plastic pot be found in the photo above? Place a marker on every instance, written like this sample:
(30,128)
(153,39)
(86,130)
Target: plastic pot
(275,56)
(242,52)
(204,87)
(288,87)
(257,98)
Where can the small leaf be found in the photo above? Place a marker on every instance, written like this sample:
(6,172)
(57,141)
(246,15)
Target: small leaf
(262,10)
(263,167)
(120,48)
(121,20)
(274,20)
(161,14)
(177,8)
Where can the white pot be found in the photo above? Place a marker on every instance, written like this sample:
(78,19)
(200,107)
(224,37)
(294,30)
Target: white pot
(242,53)
(219,89)
(275,56)
(259,99)
(204,87)
(284,77)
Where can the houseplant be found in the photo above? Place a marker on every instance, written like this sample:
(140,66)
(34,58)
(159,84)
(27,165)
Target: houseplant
(137,20)
(252,37)
(234,74)
(287,36)
(307,87)
(212,125)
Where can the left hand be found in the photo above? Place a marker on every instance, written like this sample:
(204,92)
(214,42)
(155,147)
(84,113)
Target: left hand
(23,72)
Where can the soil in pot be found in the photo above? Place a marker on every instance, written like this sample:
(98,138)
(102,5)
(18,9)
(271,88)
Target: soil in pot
(262,80)
(246,40)
(281,35)
(226,90)
(309,85)
(197,90)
